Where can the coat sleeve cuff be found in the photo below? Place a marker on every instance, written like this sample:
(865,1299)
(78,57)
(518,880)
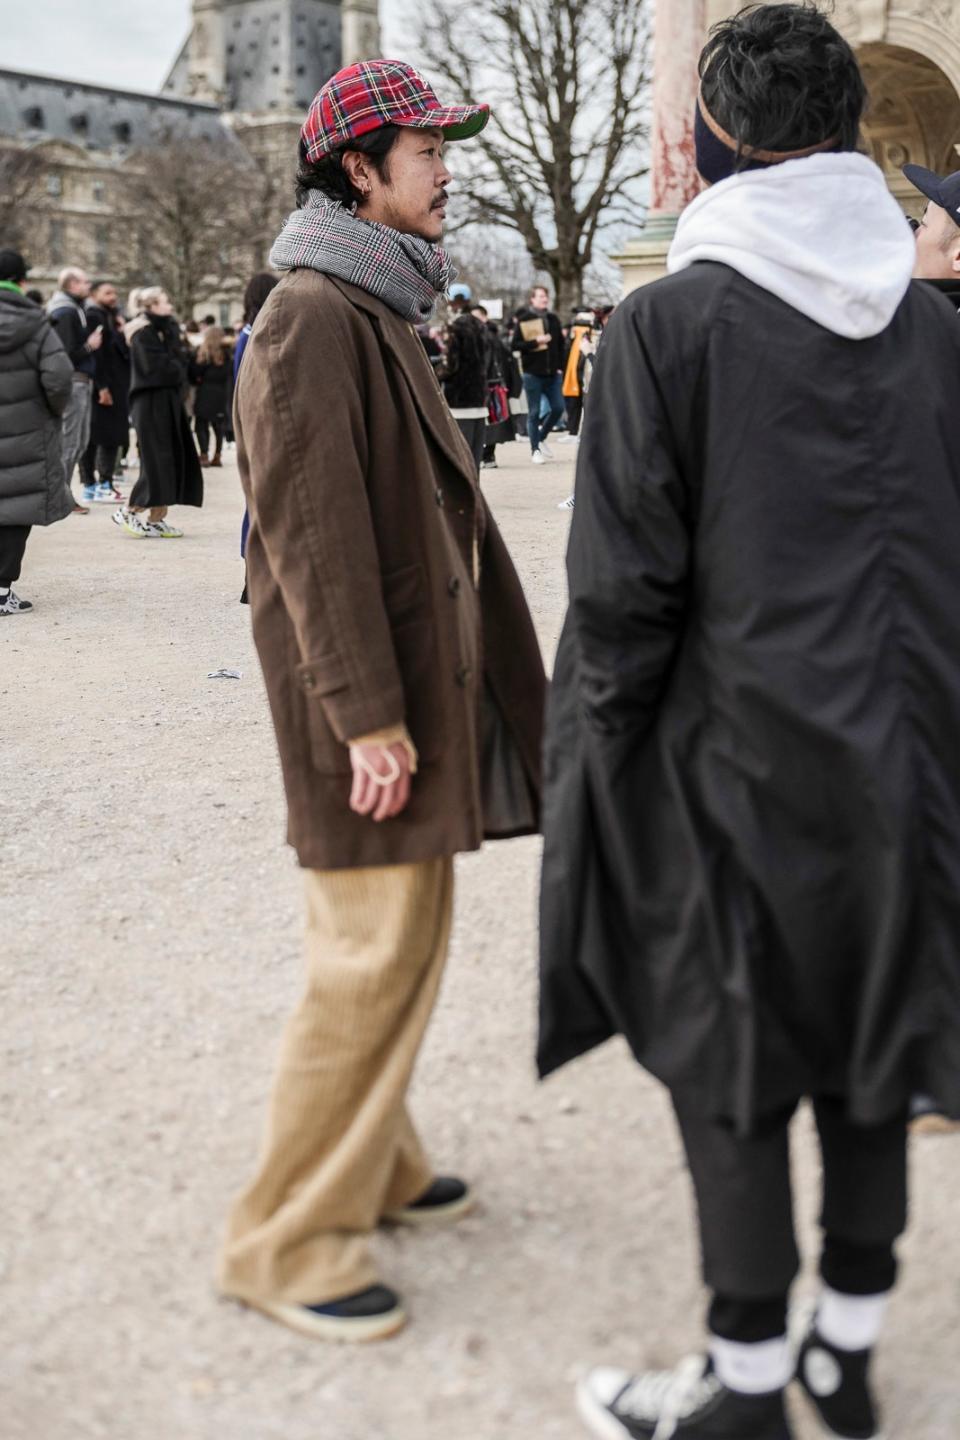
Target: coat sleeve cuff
(349,711)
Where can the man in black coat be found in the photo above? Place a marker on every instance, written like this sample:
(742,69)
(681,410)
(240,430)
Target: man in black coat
(938,237)
(110,416)
(752,860)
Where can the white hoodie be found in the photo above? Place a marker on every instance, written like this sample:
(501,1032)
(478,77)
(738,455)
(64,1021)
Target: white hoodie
(824,234)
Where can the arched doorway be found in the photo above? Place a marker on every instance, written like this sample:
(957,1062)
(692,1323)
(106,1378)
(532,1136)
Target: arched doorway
(913,116)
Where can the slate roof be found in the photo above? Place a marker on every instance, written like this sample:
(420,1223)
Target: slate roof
(44,107)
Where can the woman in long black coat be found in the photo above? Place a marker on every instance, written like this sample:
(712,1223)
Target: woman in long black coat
(170,471)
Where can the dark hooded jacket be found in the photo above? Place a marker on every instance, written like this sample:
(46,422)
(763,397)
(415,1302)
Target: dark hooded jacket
(110,424)
(36,381)
(752,787)
(464,370)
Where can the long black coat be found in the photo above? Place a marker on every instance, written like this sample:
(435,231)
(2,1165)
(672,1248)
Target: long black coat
(752,812)
(170,471)
(110,424)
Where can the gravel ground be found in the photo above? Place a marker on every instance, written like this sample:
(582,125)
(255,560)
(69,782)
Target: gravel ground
(151,923)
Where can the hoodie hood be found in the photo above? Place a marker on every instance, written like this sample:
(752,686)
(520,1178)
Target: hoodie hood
(823,234)
(20,319)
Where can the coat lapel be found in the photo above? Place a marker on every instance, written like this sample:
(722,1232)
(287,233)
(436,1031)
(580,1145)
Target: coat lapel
(409,356)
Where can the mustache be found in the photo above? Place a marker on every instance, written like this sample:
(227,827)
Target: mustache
(442,199)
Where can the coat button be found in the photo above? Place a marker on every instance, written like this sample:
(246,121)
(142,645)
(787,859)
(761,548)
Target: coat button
(308,681)
(453,586)
(464,676)
(438,496)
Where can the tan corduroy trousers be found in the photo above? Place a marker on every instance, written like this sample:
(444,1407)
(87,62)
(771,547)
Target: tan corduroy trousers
(340,1148)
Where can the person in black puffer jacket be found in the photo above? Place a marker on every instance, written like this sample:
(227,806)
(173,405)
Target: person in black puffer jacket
(36,384)
(170,471)
(464,376)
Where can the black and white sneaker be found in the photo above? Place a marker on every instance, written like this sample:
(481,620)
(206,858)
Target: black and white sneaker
(837,1382)
(372,1314)
(446,1200)
(689,1403)
(11,604)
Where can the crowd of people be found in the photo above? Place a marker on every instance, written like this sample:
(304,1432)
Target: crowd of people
(746,775)
(83,375)
(528,378)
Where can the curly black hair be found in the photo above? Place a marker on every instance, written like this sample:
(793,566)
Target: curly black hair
(328,175)
(781,77)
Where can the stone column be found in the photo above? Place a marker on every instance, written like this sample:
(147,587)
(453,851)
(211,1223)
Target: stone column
(679,32)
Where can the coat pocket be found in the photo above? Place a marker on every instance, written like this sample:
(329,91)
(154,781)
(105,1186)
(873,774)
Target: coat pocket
(317,678)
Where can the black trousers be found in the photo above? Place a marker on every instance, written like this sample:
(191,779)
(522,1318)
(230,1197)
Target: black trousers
(745,1207)
(13,542)
(99,461)
(472,432)
(574,404)
(203,427)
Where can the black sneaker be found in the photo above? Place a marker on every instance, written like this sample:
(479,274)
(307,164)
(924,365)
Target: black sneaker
(446,1200)
(688,1403)
(11,604)
(371,1314)
(837,1382)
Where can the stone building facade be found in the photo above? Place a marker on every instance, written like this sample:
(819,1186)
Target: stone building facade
(910,54)
(246,73)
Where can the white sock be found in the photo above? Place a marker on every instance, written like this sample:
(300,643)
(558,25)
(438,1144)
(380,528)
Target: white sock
(850,1322)
(752,1369)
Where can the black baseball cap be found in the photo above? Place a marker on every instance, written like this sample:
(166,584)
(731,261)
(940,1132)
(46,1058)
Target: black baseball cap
(943,190)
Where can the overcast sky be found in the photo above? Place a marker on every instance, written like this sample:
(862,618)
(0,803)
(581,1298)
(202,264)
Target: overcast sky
(126,44)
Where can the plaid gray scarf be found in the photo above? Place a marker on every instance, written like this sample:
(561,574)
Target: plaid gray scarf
(407,273)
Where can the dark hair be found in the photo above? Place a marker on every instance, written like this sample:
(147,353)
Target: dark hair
(328,175)
(209,320)
(781,77)
(95,285)
(35,295)
(254,297)
(535,288)
(13,267)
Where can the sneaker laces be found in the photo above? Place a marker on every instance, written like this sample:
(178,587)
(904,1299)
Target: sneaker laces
(669,1396)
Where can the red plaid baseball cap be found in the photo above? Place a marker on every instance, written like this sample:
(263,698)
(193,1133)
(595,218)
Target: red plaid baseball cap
(375,93)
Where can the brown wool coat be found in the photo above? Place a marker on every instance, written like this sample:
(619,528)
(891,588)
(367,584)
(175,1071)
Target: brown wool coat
(365,522)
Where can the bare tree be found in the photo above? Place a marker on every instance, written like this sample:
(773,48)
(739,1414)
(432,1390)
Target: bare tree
(197,218)
(20,169)
(567,81)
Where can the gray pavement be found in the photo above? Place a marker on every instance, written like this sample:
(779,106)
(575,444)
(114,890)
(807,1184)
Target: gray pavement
(150,916)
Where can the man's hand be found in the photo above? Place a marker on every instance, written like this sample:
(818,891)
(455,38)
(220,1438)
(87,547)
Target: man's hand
(95,339)
(104,397)
(381,800)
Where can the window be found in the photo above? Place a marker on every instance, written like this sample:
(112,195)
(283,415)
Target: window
(54,186)
(33,117)
(122,131)
(102,247)
(225,314)
(99,192)
(56,242)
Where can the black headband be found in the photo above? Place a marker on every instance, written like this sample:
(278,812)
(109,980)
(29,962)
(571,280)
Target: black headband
(719,155)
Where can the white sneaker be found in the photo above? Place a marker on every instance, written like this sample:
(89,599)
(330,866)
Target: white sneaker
(11,604)
(566,504)
(162,530)
(130,521)
(539,458)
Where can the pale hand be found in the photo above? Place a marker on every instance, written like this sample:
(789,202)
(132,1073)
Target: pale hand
(380,802)
(95,340)
(104,398)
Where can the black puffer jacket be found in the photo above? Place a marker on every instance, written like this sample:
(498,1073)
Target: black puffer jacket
(36,380)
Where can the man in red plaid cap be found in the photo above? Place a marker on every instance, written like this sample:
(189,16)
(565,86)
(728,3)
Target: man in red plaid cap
(404,679)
